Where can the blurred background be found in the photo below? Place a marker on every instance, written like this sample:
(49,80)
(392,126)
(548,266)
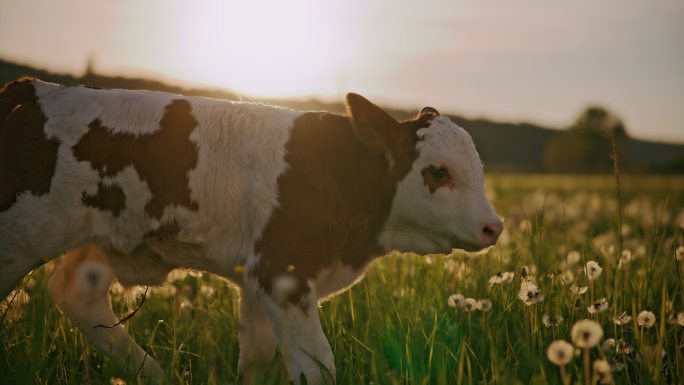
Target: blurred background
(541,86)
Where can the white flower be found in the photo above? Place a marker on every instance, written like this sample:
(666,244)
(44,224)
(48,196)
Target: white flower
(599,306)
(603,372)
(586,333)
(646,319)
(608,345)
(456,300)
(529,293)
(551,320)
(501,278)
(470,304)
(622,318)
(484,305)
(593,270)
(560,352)
(578,290)
(623,347)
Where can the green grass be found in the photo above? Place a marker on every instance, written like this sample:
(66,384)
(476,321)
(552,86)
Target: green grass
(395,326)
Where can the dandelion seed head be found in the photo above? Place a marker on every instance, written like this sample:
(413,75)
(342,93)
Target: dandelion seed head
(560,352)
(470,304)
(599,306)
(603,371)
(578,290)
(586,333)
(549,321)
(529,293)
(622,318)
(593,270)
(484,305)
(456,300)
(646,319)
(573,258)
(623,347)
(608,345)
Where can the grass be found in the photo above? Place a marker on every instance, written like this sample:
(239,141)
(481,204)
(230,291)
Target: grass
(396,327)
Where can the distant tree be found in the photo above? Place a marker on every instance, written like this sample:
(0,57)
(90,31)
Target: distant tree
(586,145)
(597,119)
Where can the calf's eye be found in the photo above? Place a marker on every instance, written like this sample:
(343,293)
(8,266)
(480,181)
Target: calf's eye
(440,173)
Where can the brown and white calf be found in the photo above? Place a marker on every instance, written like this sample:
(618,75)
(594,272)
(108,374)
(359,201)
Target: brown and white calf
(303,200)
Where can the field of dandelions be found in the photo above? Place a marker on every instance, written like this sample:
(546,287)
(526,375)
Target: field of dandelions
(564,298)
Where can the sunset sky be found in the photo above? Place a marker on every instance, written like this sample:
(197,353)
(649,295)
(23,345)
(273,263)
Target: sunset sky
(539,61)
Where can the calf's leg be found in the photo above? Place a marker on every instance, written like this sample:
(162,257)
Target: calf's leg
(299,334)
(80,288)
(257,339)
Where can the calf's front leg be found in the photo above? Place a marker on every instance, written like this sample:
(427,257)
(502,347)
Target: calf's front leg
(298,330)
(257,339)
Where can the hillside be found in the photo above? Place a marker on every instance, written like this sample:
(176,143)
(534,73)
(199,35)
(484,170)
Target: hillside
(504,147)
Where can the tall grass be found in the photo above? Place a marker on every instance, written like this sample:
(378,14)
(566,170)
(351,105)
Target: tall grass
(396,326)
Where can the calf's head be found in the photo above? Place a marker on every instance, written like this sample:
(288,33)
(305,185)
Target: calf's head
(439,202)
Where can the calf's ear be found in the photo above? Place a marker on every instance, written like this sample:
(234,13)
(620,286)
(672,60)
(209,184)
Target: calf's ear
(374,127)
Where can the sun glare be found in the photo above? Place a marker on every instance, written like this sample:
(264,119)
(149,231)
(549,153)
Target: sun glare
(261,48)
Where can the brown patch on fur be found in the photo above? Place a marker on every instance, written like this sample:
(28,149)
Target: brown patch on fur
(432,182)
(27,156)
(162,158)
(334,198)
(108,197)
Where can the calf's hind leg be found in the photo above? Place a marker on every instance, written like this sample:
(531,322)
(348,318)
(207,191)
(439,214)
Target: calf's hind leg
(80,288)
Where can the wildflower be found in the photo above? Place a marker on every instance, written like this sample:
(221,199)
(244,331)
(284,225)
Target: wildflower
(470,304)
(586,333)
(578,290)
(560,352)
(456,300)
(608,345)
(599,306)
(501,278)
(679,253)
(239,269)
(551,320)
(290,268)
(603,372)
(622,318)
(530,293)
(623,347)
(484,305)
(646,319)
(593,270)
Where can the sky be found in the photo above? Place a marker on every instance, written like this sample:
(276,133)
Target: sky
(539,61)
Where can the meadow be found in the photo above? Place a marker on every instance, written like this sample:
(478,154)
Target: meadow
(463,318)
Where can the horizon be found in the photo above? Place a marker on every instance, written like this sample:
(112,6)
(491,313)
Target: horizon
(507,63)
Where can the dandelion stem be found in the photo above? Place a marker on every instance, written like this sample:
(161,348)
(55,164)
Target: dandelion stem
(564,378)
(586,367)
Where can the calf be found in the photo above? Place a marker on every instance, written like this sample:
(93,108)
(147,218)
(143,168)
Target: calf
(290,206)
